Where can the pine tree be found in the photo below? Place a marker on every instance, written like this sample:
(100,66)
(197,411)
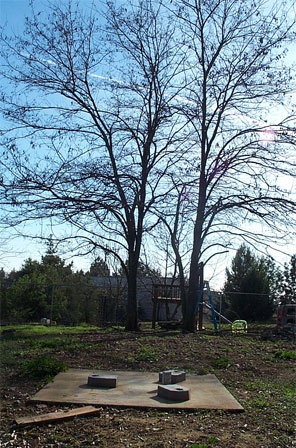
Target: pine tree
(287,282)
(99,268)
(249,287)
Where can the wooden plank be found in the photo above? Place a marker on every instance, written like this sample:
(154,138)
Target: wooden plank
(56,416)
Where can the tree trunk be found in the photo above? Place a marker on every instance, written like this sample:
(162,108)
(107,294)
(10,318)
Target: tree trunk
(189,323)
(132,303)
(183,291)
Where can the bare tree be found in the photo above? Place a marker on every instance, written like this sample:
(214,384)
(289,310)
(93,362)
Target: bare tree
(237,87)
(89,134)
(176,225)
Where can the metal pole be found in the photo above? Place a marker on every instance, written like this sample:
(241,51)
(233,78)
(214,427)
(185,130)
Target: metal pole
(200,308)
(220,311)
(51,304)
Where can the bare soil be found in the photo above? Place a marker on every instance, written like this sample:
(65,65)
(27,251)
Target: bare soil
(247,366)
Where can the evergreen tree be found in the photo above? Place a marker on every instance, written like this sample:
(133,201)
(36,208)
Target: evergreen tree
(28,298)
(144,270)
(287,281)
(3,296)
(250,285)
(48,288)
(99,268)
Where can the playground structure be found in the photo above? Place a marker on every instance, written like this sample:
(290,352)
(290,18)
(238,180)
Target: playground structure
(286,318)
(286,313)
(165,294)
(171,293)
(239,326)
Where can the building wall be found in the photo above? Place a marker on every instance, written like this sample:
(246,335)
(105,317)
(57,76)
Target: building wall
(116,287)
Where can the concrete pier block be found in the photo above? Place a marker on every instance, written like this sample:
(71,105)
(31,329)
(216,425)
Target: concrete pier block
(178,376)
(102,380)
(173,392)
(165,377)
(172,376)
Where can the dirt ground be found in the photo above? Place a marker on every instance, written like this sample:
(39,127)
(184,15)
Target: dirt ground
(255,371)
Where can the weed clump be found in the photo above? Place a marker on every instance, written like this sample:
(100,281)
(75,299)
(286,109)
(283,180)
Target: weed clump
(200,446)
(222,363)
(48,343)
(285,354)
(43,367)
(146,353)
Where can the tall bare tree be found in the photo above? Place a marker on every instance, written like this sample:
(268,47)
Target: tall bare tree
(89,133)
(243,138)
(173,235)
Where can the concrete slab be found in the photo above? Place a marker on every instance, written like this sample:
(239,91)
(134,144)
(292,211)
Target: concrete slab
(135,389)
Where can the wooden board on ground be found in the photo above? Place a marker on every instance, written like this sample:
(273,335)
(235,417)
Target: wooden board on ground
(135,389)
(56,416)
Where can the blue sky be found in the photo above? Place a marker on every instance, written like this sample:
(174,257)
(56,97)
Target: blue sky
(13,12)
(14,251)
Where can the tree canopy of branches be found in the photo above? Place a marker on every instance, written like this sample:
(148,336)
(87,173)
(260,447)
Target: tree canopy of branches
(106,125)
(144,270)
(235,75)
(92,106)
(250,286)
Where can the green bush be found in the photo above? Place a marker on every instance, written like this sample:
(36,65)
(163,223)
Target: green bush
(199,446)
(212,439)
(221,363)
(146,353)
(43,367)
(288,354)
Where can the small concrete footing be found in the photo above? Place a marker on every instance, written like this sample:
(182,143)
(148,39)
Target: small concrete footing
(172,376)
(102,380)
(173,392)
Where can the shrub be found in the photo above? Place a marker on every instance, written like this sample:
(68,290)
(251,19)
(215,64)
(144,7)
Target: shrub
(199,446)
(146,353)
(43,367)
(222,363)
(288,354)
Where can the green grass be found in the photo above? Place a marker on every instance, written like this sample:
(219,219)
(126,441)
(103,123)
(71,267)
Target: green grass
(47,343)
(37,340)
(59,343)
(27,331)
(259,404)
(272,393)
(115,328)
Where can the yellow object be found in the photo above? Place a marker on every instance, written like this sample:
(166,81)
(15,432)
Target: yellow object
(239,326)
